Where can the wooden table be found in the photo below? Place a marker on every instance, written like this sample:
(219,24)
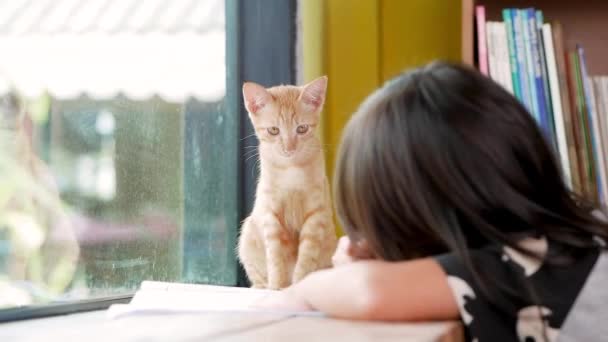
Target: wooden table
(94,326)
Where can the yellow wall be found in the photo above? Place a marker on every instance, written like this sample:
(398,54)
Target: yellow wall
(415,32)
(361,43)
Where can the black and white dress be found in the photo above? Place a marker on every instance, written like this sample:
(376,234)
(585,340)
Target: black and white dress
(531,299)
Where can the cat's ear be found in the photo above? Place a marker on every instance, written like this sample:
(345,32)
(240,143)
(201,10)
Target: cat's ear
(256,97)
(313,94)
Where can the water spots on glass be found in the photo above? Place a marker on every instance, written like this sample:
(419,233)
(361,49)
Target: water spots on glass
(134,188)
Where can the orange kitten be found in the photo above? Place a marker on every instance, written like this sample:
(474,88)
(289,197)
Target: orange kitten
(290,231)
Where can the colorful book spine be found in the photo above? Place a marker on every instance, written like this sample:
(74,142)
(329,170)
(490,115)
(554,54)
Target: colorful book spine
(521,58)
(577,125)
(600,120)
(538,92)
(502,56)
(593,132)
(508,18)
(568,112)
(527,24)
(492,58)
(482,50)
(601,91)
(586,148)
(560,121)
(498,54)
(544,74)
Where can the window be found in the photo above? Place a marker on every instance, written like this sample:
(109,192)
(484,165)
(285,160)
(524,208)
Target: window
(119,157)
(121,139)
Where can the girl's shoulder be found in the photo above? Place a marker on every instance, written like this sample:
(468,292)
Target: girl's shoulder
(504,292)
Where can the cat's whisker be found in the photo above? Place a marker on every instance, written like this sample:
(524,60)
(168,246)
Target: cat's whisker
(252,156)
(247,157)
(251,151)
(254,167)
(249,136)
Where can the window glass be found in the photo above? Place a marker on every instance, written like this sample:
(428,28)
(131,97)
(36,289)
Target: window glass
(117,156)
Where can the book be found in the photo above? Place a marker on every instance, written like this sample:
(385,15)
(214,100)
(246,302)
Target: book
(590,185)
(604,132)
(601,114)
(556,99)
(579,133)
(548,106)
(596,143)
(530,48)
(595,147)
(498,55)
(540,102)
(502,56)
(601,91)
(174,298)
(513,66)
(482,50)
(492,51)
(521,58)
(569,125)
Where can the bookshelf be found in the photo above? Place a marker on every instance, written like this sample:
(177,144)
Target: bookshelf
(585,22)
(553,56)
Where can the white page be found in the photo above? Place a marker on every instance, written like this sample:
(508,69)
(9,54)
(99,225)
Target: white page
(159,297)
(180,287)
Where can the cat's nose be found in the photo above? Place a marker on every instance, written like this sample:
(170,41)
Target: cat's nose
(289,147)
(289,151)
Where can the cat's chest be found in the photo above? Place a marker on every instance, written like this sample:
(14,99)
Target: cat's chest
(293,179)
(292,194)
(294,205)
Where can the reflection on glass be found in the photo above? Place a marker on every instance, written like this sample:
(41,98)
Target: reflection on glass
(39,246)
(114,162)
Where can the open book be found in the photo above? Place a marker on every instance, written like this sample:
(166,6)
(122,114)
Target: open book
(161,298)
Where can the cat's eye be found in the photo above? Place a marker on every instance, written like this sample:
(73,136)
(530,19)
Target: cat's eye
(273,130)
(302,129)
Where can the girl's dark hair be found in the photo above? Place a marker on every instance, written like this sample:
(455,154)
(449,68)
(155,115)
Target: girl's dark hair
(442,158)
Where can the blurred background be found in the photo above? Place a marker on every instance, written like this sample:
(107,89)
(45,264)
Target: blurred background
(95,97)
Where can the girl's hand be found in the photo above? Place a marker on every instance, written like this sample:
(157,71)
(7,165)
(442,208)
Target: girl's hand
(348,252)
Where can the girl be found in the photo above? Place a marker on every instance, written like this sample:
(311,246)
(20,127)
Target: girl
(447,183)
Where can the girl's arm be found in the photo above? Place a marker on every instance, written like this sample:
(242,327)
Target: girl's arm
(375,290)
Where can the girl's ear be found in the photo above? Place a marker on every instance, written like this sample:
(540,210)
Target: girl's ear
(256,97)
(313,94)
